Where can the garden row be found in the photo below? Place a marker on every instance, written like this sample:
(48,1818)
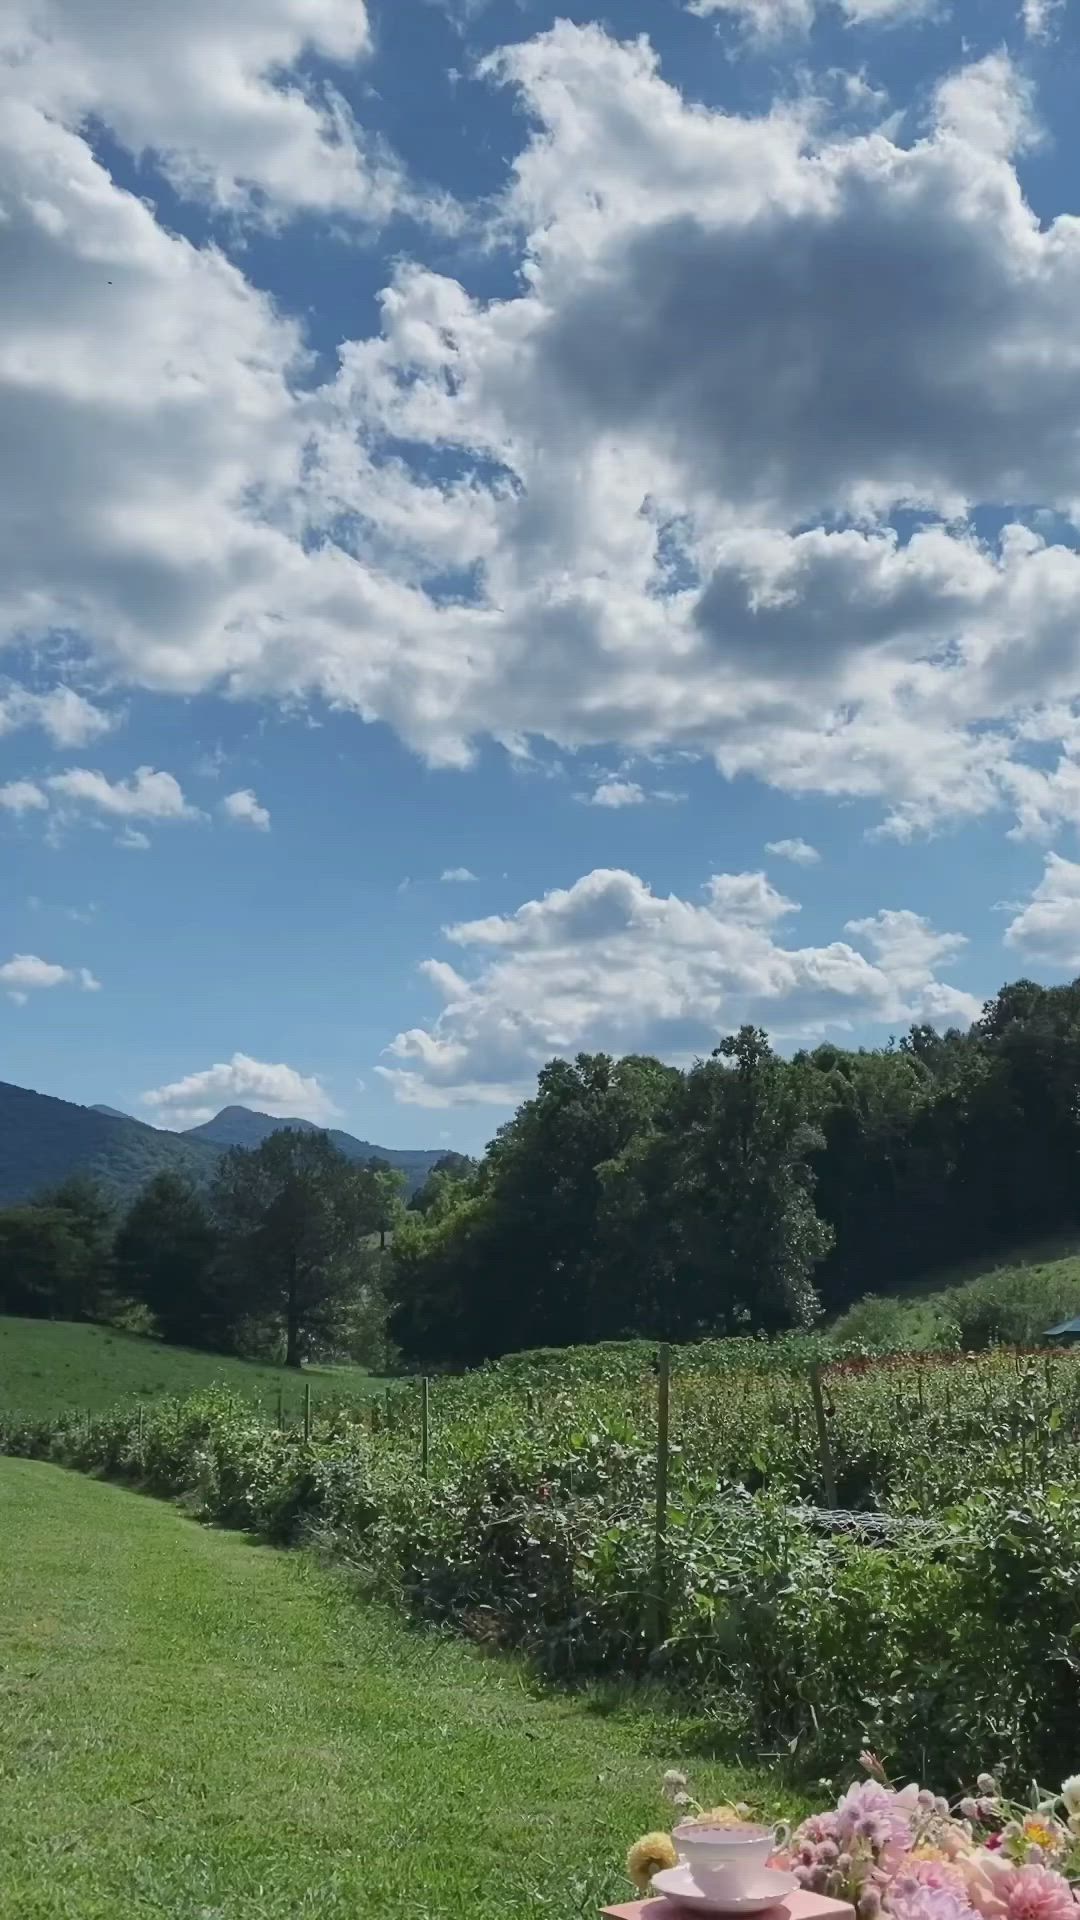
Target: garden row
(535,1526)
(905,1435)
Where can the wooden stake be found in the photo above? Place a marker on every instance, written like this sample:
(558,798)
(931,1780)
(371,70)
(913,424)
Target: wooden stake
(828,1472)
(425,1429)
(280,1411)
(658,1624)
(307,1409)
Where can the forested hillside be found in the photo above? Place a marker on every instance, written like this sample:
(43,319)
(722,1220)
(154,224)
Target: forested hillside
(43,1141)
(751,1192)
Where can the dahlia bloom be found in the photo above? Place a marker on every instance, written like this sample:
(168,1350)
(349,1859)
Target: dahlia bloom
(999,1891)
(647,1856)
(911,1898)
(932,1868)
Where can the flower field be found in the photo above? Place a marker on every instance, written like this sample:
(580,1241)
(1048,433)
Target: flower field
(947,1645)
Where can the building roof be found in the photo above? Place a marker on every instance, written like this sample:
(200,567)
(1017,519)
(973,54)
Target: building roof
(1067,1326)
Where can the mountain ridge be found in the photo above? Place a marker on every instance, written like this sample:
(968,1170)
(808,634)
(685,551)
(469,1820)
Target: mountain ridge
(44,1139)
(246,1127)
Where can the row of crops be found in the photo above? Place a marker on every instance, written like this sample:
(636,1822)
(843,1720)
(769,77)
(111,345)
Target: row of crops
(904,1435)
(535,1525)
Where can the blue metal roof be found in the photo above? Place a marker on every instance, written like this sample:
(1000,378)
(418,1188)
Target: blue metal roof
(1067,1326)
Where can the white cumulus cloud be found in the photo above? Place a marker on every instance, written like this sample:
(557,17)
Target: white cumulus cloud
(770,20)
(244,810)
(607,963)
(26,973)
(265,1086)
(220,95)
(1047,927)
(798,851)
(67,717)
(23,796)
(617,793)
(457,876)
(667,459)
(148,795)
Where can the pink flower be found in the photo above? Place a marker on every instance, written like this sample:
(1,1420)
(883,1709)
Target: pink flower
(1000,1891)
(911,1898)
(879,1817)
(935,1873)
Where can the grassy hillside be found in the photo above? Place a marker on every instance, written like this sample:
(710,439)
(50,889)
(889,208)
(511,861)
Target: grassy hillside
(49,1366)
(42,1140)
(1012,1304)
(195,1726)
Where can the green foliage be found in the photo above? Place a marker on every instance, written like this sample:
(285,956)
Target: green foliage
(166,1253)
(293,1217)
(1014,1306)
(887,1323)
(945,1639)
(56,1256)
(41,1261)
(440,1190)
(627,1198)
(1009,1306)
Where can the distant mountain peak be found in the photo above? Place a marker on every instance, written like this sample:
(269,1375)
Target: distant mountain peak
(243,1127)
(43,1140)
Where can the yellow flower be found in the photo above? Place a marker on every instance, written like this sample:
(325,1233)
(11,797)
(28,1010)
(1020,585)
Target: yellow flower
(649,1856)
(1040,1831)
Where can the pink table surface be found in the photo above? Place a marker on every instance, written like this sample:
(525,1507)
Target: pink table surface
(797,1906)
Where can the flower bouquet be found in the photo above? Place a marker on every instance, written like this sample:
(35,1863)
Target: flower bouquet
(906,1853)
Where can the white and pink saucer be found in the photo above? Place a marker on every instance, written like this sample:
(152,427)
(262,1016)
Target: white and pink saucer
(705,1892)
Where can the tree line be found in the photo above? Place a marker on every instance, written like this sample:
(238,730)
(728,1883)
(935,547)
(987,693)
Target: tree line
(627,1197)
(284,1256)
(752,1191)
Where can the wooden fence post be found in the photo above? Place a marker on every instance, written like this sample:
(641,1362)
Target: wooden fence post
(828,1472)
(280,1411)
(307,1409)
(425,1426)
(658,1622)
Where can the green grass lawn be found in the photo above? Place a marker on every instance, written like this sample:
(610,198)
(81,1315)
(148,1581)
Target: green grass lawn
(198,1727)
(53,1366)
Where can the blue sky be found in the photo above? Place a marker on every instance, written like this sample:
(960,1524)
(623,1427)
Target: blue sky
(527,529)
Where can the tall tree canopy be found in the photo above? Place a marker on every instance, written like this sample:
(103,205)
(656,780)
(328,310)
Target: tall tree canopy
(628,1197)
(166,1254)
(294,1216)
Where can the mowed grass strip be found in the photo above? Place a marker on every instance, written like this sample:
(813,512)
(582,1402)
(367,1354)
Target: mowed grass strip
(52,1367)
(196,1726)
